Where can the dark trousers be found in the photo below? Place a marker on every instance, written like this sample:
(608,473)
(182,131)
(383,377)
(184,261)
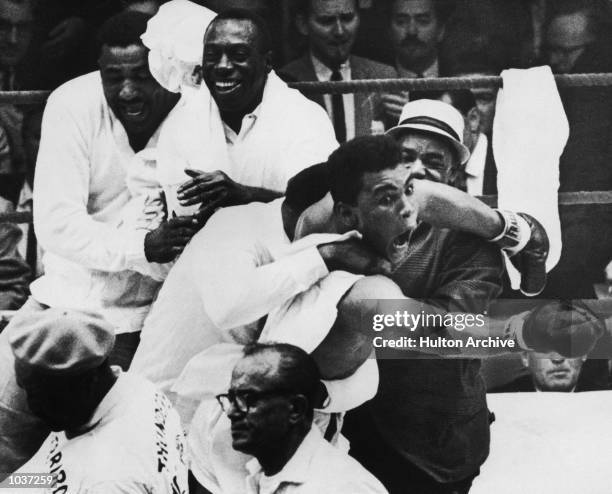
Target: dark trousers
(398,475)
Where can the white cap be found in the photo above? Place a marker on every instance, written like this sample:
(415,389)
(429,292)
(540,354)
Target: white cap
(435,117)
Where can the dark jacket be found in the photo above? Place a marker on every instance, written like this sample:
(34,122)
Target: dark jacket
(368,106)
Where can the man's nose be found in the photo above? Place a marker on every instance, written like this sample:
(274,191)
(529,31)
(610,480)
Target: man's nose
(418,170)
(557,360)
(409,208)
(128,91)
(234,411)
(411,28)
(224,63)
(339,28)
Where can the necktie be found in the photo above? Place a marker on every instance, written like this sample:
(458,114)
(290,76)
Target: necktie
(338,109)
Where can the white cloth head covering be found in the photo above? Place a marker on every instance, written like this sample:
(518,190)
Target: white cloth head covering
(175,37)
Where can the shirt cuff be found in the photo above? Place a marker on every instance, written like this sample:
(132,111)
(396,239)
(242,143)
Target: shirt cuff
(135,251)
(307,267)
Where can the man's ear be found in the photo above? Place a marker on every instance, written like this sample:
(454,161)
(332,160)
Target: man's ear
(473,120)
(301,22)
(268,61)
(346,217)
(299,409)
(525,359)
(441,34)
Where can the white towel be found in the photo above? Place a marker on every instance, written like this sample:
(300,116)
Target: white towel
(530,131)
(174,38)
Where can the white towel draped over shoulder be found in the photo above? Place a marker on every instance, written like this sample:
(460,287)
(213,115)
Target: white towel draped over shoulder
(529,134)
(174,38)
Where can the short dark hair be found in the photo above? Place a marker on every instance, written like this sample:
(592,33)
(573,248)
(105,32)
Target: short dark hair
(353,159)
(307,187)
(297,369)
(569,7)
(123,29)
(303,7)
(263,31)
(443,9)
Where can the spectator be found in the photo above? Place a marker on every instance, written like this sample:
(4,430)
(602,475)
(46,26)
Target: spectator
(270,405)
(547,372)
(61,359)
(550,371)
(416,28)
(16,33)
(252,144)
(511,32)
(149,7)
(331,27)
(16,30)
(576,44)
(93,127)
(14,271)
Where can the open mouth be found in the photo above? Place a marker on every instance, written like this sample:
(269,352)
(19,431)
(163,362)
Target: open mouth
(134,110)
(226,86)
(402,240)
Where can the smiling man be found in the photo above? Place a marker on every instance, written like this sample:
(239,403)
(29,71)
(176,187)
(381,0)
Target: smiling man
(253,132)
(331,28)
(92,129)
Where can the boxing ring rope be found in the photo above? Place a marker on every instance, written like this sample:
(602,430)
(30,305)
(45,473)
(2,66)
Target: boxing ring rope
(441,83)
(429,84)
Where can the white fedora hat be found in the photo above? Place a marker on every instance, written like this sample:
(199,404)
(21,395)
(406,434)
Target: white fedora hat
(436,117)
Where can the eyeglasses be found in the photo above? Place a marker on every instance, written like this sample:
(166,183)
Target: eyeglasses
(244,400)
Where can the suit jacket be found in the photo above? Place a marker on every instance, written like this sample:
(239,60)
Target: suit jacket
(14,271)
(368,106)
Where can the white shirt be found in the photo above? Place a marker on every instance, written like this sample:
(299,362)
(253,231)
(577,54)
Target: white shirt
(135,445)
(79,193)
(315,468)
(475,167)
(238,269)
(222,283)
(324,73)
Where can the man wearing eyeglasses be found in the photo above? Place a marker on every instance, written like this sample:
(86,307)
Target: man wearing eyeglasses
(270,405)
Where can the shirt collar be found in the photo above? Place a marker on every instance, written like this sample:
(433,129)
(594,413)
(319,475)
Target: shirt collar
(297,469)
(432,71)
(324,73)
(476,164)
